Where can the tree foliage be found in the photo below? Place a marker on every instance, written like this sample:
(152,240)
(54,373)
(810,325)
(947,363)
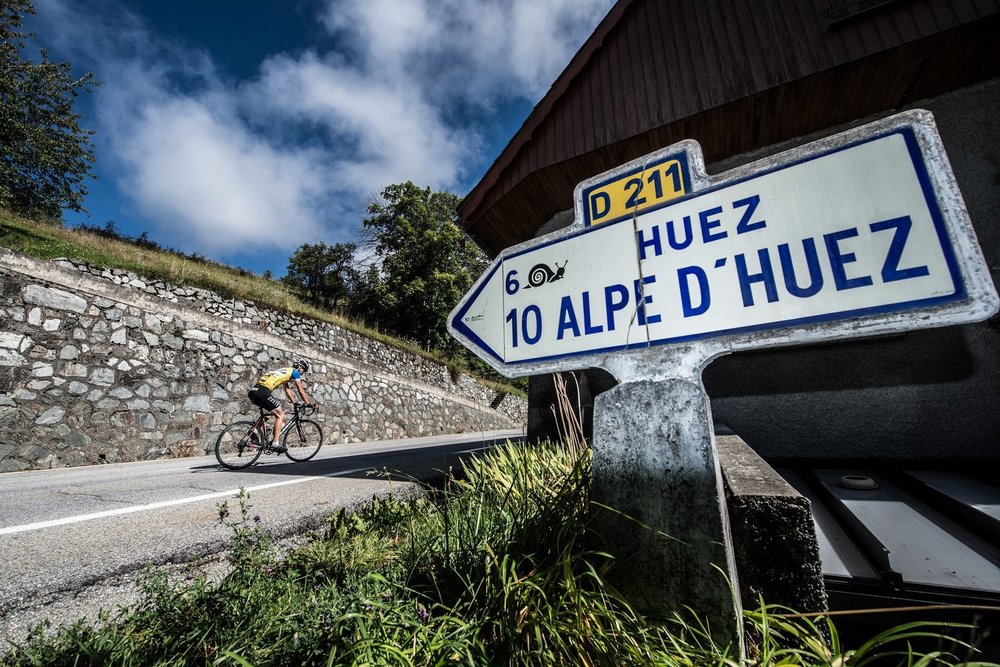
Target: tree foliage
(46,155)
(426,263)
(324,274)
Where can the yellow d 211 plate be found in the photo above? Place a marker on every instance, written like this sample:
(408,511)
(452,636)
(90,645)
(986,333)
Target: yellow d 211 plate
(638,190)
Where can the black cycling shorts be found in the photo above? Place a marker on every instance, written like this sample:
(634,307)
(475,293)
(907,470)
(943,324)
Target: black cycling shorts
(262,398)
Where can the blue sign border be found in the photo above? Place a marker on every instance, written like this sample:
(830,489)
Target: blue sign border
(459,325)
(923,177)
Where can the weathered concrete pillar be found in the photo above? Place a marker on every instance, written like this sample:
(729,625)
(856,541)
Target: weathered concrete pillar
(663,514)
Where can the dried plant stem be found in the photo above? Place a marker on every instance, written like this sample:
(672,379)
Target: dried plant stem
(569,418)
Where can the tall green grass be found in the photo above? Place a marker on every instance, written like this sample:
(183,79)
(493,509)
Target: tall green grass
(498,568)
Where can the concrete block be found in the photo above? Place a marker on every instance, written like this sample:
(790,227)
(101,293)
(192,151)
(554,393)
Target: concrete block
(774,539)
(50,297)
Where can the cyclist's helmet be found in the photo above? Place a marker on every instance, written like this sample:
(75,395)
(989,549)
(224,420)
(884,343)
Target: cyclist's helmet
(301,363)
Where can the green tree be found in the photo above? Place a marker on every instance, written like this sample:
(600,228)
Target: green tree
(369,296)
(324,274)
(46,156)
(427,263)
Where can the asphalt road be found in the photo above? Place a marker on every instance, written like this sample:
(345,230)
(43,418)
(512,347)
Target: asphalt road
(74,540)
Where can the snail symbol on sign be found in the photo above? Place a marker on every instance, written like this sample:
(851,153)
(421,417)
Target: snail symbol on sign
(541,274)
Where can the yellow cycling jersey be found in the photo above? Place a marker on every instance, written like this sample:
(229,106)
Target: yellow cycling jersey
(274,379)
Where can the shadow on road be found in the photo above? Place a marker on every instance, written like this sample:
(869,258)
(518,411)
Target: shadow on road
(422,464)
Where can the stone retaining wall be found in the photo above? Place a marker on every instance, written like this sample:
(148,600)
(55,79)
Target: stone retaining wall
(99,365)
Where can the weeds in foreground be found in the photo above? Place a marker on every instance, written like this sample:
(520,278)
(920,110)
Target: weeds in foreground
(498,569)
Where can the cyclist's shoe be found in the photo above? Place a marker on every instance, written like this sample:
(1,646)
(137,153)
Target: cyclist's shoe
(278,449)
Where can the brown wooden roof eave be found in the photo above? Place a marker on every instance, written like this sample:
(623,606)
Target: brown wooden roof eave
(541,110)
(931,64)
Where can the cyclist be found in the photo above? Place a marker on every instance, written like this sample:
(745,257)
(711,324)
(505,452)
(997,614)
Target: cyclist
(262,397)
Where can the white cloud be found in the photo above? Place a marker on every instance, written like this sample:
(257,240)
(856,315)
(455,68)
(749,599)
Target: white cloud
(294,154)
(476,50)
(394,133)
(197,170)
(406,64)
(217,185)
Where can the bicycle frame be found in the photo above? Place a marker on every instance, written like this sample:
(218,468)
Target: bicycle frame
(290,420)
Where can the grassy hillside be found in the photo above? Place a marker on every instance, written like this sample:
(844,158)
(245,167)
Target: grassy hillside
(48,241)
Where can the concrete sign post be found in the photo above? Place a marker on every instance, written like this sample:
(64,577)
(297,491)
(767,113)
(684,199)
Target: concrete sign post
(666,268)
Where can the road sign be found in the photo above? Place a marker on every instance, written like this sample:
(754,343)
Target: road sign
(861,233)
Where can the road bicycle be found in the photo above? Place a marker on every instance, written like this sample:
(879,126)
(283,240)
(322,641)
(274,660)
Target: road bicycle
(242,442)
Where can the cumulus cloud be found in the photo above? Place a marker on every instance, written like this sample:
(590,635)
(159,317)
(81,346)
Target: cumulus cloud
(478,50)
(393,132)
(217,165)
(217,185)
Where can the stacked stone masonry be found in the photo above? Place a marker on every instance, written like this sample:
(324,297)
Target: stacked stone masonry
(100,365)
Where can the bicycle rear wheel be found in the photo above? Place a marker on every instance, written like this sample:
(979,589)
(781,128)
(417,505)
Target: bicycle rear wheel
(238,446)
(303,440)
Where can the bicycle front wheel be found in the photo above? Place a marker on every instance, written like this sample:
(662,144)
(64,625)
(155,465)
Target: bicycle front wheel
(238,446)
(303,440)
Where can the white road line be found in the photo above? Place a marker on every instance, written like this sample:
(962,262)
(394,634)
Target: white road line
(164,503)
(477,449)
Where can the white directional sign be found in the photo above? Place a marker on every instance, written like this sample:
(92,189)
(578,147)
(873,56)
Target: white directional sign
(862,233)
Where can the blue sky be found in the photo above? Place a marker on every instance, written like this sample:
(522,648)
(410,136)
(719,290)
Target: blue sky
(241,129)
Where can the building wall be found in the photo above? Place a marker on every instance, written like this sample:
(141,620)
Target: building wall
(105,366)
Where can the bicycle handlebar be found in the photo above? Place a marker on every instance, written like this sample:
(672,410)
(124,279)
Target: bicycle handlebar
(306,408)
